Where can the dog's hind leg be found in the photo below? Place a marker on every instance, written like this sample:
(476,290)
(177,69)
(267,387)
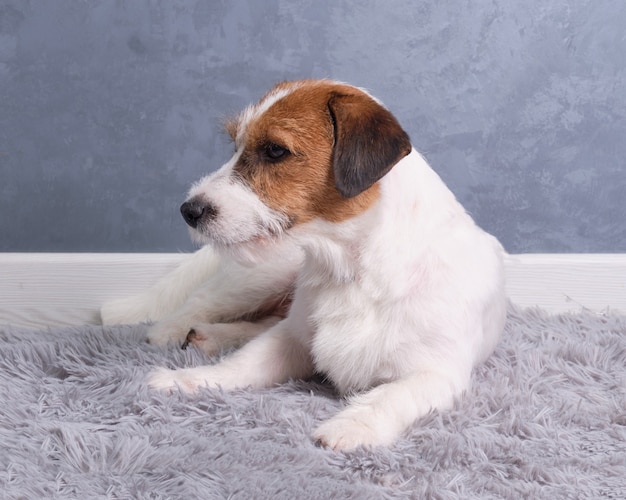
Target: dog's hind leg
(232,294)
(211,338)
(167,295)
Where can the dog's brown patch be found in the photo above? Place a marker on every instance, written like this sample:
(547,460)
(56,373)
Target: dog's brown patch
(319,151)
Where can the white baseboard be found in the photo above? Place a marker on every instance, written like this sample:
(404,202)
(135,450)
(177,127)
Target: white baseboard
(568,282)
(38,290)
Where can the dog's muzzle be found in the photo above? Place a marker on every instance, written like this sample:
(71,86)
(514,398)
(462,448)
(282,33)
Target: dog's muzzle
(195,212)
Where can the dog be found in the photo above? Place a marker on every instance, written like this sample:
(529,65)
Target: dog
(332,248)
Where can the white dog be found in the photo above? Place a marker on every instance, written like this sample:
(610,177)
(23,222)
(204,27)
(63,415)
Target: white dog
(342,253)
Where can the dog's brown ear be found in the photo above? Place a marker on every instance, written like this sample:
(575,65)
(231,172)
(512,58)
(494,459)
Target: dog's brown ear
(368,142)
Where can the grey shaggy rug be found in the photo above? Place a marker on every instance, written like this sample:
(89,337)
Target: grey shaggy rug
(546,418)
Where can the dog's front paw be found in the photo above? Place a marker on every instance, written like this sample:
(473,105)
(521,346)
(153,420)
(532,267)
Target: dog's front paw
(343,433)
(168,381)
(163,379)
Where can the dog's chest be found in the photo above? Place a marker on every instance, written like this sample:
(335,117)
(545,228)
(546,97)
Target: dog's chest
(355,343)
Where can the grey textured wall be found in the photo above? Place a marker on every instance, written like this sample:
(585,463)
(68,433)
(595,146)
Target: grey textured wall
(109,110)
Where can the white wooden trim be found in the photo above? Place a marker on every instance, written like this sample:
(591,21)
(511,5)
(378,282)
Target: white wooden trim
(40,289)
(43,289)
(568,282)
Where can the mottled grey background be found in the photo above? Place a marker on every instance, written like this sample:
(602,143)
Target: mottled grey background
(109,110)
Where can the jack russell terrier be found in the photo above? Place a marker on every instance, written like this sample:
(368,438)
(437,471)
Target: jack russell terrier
(333,248)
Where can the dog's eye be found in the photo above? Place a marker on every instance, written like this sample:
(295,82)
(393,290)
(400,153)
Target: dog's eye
(275,152)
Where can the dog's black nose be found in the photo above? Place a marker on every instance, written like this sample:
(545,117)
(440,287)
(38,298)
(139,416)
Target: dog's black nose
(193,211)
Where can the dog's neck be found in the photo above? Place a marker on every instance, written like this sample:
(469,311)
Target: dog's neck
(413,200)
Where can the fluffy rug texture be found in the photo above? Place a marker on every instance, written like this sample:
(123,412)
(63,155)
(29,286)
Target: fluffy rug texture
(545,418)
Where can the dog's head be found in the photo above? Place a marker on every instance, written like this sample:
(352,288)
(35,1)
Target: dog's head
(309,149)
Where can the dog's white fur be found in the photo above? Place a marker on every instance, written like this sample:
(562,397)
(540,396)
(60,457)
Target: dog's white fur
(395,305)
